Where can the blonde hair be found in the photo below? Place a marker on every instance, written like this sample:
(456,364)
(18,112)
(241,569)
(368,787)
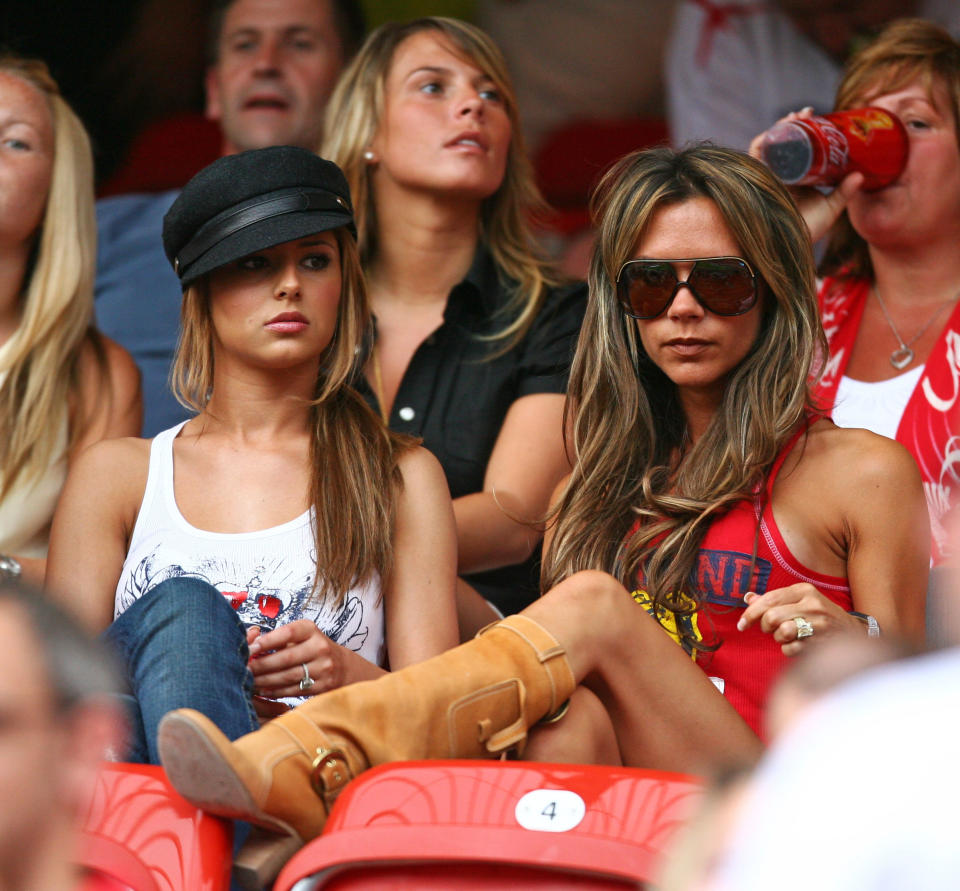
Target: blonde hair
(354,471)
(905,51)
(42,356)
(354,114)
(628,426)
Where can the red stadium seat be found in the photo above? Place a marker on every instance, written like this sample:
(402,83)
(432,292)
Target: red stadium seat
(165,155)
(573,157)
(483,825)
(139,834)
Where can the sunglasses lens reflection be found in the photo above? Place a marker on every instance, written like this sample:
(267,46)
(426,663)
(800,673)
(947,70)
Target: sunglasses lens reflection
(650,287)
(724,285)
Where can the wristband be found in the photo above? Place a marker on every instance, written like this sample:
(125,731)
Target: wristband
(873,627)
(10,568)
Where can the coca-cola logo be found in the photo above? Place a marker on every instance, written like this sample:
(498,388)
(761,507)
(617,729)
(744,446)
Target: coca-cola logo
(835,143)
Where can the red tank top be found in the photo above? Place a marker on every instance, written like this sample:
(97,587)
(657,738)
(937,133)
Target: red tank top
(746,662)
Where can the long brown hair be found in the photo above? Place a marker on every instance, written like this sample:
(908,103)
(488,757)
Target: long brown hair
(906,50)
(628,426)
(41,359)
(355,477)
(354,114)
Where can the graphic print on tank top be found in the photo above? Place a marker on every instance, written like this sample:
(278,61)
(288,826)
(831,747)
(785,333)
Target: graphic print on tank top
(724,577)
(265,596)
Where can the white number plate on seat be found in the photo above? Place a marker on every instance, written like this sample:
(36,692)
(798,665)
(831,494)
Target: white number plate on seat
(550,810)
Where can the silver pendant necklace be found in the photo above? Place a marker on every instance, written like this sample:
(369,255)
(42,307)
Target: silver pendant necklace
(902,356)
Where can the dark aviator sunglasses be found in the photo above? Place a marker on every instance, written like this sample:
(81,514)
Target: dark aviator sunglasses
(726,286)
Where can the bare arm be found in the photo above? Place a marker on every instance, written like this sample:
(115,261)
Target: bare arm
(420,606)
(872,486)
(889,540)
(500,525)
(92,526)
(420,613)
(111,408)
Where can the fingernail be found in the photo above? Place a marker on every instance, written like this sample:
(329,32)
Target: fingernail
(255,647)
(741,625)
(747,596)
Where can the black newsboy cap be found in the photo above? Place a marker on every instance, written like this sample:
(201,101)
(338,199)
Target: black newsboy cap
(253,200)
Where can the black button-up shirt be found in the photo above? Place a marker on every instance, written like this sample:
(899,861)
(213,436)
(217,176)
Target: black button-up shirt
(455,396)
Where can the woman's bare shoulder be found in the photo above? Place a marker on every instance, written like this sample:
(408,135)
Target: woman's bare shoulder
(104,489)
(851,457)
(108,384)
(101,356)
(125,455)
(113,471)
(420,467)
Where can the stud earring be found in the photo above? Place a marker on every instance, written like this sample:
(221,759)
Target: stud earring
(369,156)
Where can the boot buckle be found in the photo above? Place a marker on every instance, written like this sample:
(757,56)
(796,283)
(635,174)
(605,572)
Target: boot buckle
(330,773)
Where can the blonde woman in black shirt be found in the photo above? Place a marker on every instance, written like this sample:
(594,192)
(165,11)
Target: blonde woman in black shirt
(472,342)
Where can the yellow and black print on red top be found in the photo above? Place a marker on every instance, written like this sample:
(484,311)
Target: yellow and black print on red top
(722,578)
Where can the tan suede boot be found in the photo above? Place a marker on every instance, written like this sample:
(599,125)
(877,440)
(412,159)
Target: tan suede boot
(475,701)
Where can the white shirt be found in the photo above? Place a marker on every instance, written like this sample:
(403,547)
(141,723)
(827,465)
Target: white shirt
(875,405)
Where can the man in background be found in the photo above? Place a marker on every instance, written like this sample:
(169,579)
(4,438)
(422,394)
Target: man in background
(273,65)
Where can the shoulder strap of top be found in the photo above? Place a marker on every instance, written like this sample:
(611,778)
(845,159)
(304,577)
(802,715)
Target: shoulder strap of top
(159,480)
(794,438)
(161,454)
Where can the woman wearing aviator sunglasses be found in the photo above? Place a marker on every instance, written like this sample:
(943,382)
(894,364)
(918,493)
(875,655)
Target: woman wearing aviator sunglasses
(704,473)
(704,481)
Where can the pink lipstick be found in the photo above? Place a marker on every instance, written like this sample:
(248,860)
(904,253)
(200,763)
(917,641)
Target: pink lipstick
(288,323)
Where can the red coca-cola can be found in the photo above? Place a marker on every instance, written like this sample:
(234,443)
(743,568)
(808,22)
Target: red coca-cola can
(821,151)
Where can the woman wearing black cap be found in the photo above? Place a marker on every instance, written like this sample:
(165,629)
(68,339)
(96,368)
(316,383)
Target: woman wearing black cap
(283,516)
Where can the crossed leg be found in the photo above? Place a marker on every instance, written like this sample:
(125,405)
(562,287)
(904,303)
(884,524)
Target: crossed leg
(663,709)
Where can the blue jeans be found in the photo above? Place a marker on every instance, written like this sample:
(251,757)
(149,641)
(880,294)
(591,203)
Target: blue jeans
(184,647)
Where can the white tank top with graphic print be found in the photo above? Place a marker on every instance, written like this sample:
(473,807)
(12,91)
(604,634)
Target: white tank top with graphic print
(266,575)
